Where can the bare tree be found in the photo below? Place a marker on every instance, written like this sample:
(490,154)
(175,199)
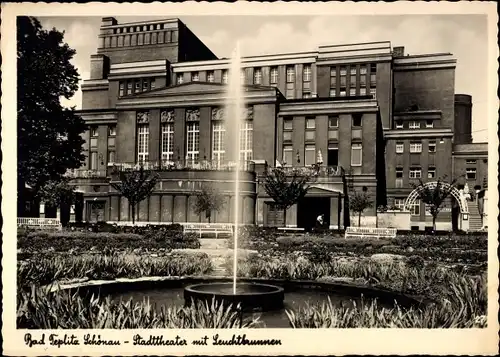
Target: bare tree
(358,202)
(135,186)
(208,199)
(287,190)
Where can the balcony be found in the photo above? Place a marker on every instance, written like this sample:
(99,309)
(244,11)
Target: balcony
(182,165)
(84,173)
(314,170)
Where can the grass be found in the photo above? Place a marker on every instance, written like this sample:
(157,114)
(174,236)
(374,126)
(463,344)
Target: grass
(38,309)
(44,271)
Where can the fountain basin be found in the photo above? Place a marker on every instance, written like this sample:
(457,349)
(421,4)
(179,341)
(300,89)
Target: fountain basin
(249,296)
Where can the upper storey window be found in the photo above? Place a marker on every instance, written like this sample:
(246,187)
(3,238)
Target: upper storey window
(210,76)
(224,76)
(180,78)
(136,86)
(257,76)
(290,74)
(274,75)
(195,77)
(307,73)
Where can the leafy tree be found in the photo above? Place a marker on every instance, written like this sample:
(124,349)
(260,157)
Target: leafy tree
(49,138)
(434,196)
(58,194)
(135,186)
(287,190)
(358,202)
(208,199)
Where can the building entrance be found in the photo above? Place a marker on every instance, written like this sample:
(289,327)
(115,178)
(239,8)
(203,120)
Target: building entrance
(309,208)
(95,211)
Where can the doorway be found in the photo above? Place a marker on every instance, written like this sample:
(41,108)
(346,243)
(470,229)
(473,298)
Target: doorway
(95,211)
(309,208)
(333,156)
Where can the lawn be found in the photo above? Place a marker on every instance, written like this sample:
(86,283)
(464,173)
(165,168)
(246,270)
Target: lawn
(448,270)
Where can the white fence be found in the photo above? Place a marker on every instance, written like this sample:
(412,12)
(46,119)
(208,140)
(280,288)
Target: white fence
(363,232)
(41,223)
(215,228)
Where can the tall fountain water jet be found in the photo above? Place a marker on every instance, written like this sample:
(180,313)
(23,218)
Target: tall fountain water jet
(234,109)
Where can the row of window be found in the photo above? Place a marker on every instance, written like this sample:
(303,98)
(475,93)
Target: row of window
(133,86)
(333,122)
(414,208)
(130,29)
(94,132)
(415,124)
(415,173)
(193,142)
(140,39)
(341,79)
(311,156)
(415,147)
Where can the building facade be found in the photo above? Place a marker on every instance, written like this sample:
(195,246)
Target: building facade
(367,117)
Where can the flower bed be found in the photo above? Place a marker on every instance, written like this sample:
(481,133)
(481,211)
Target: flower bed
(30,242)
(43,271)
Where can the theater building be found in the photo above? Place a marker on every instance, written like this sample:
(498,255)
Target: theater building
(367,117)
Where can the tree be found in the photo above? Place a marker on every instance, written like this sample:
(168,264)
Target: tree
(58,193)
(135,186)
(49,138)
(208,199)
(358,202)
(434,196)
(286,190)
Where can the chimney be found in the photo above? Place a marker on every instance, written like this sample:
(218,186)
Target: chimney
(398,51)
(108,21)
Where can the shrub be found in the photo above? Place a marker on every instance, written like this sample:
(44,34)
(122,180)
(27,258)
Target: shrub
(44,271)
(38,309)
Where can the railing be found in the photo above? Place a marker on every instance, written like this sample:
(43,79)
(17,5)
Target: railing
(363,232)
(314,170)
(83,173)
(42,223)
(180,165)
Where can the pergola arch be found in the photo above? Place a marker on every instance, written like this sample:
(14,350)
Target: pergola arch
(414,195)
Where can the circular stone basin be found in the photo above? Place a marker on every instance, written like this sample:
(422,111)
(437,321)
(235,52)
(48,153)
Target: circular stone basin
(250,296)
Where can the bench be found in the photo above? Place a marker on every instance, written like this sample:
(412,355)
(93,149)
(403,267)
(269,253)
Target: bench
(214,228)
(371,232)
(39,223)
(290,229)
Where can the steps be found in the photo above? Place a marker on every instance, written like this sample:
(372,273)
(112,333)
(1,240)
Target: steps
(475,222)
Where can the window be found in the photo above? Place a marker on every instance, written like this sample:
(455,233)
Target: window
(415,147)
(195,77)
(353,72)
(94,132)
(257,76)
(121,92)
(356,154)
(129,88)
(356,120)
(218,146)
(399,177)
(429,124)
(399,203)
(288,124)
(333,122)
(415,173)
(137,86)
(333,81)
(431,172)
(373,92)
(193,142)
(306,95)
(362,70)
(142,143)
(399,124)
(471,173)
(432,146)
(400,147)
(153,83)
(210,76)
(167,141)
(310,155)
(246,141)
(112,130)
(274,75)
(287,155)
(290,74)
(111,157)
(224,76)
(310,123)
(93,161)
(307,73)
(352,92)
(145,85)
(415,208)
(333,92)
(470,162)
(242,76)
(343,92)
(180,78)
(414,125)
(362,91)
(343,71)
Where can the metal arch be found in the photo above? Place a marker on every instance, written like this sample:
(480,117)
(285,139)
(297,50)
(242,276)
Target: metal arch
(462,202)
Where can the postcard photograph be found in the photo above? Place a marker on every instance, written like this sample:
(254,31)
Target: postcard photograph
(232,180)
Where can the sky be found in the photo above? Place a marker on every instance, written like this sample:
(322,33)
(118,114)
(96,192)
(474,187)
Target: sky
(465,36)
